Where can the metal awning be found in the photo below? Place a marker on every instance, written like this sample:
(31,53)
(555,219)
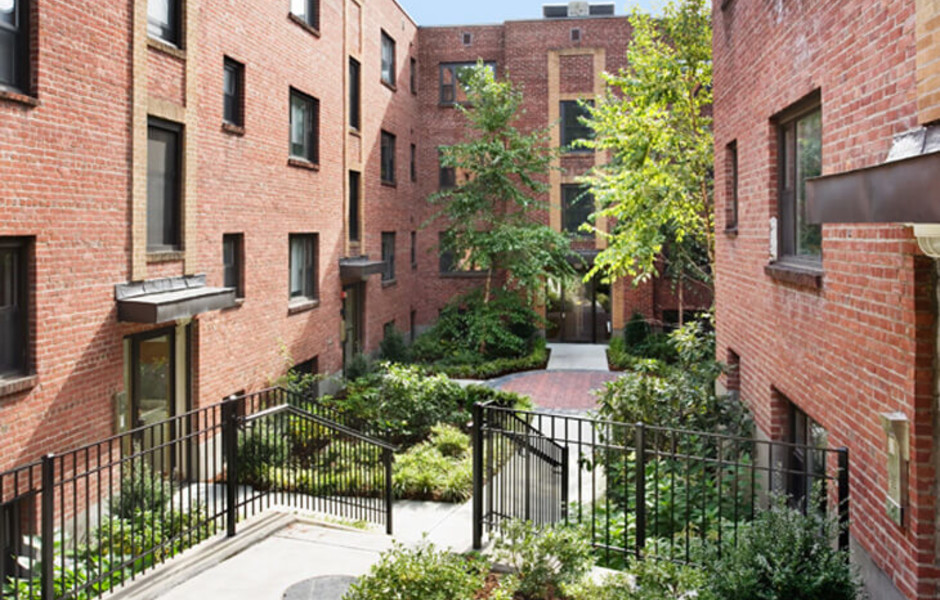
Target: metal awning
(169,299)
(359,268)
(905,189)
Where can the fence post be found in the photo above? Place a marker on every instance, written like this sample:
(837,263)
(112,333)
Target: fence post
(564,484)
(477,426)
(47,531)
(230,448)
(843,498)
(387,458)
(640,489)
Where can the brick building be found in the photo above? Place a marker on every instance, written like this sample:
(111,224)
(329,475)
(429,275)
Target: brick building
(212,193)
(832,328)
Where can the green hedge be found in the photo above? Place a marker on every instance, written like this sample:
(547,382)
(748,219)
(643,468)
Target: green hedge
(536,359)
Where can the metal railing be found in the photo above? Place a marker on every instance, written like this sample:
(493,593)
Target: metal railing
(78,524)
(642,491)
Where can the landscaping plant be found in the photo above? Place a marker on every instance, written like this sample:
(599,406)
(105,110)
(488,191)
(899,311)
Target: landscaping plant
(438,469)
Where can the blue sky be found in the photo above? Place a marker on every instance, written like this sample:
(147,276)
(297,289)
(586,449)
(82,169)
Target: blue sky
(469,12)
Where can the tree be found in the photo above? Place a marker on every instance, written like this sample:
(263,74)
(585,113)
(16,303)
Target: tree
(492,212)
(655,120)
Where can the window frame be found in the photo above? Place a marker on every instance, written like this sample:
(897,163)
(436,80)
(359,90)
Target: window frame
(448,266)
(21,43)
(387,72)
(731,185)
(414,163)
(171,32)
(309,271)
(413,74)
(583,192)
(354,209)
(388,256)
(237,100)
(311,146)
(450,98)
(176,243)
(355,94)
(567,137)
(414,250)
(21,334)
(311,14)
(387,158)
(237,268)
(788,184)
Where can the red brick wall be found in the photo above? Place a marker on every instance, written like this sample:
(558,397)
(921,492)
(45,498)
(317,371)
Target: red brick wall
(864,343)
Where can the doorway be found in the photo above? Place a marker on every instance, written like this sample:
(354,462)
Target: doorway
(352,322)
(578,311)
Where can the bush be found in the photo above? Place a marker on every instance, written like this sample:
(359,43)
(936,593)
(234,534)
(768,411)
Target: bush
(393,348)
(645,580)
(784,555)
(636,331)
(359,366)
(474,394)
(424,473)
(544,558)
(141,489)
(421,573)
(259,449)
(450,441)
(472,367)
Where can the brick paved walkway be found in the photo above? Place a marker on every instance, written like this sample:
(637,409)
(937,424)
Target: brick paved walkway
(566,390)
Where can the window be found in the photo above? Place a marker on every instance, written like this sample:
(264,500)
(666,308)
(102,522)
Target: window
(233,249)
(14,44)
(307,11)
(453,85)
(800,157)
(14,323)
(448,264)
(388,158)
(234,92)
(414,163)
(303,266)
(575,34)
(806,465)
(446,176)
(163,20)
(388,255)
(304,124)
(306,376)
(388,60)
(467,38)
(577,205)
(413,325)
(414,75)
(355,94)
(164,186)
(731,185)
(414,250)
(572,129)
(355,225)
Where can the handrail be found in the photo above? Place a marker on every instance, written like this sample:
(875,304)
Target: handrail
(289,408)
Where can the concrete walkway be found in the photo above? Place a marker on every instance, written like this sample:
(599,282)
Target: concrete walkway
(578,357)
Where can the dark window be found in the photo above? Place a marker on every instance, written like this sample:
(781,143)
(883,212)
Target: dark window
(413,322)
(355,225)
(307,11)
(806,466)
(453,81)
(414,163)
(467,38)
(163,20)
(304,373)
(304,126)
(577,204)
(598,10)
(446,176)
(164,185)
(233,253)
(355,94)
(388,157)
(388,255)
(575,34)
(414,76)
(234,92)
(731,185)
(14,323)
(447,263)
(303,266)
(388,59)
(800,158)
(572,129)
(14,44)
(414,250)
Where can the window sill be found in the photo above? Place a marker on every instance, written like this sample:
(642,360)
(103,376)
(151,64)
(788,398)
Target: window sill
(303,305)
(302,163)
(801,274)
(239,302)
(391,184)
(19,98)
(463,275)
(387,283)
(161,256)
(355,132)
(14,384)
(576,153)
(390,86)
(233,129)
(166,48)
(731,232)
(304,25)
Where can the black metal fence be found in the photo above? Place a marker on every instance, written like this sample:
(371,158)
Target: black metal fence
(78,524)
(642,491)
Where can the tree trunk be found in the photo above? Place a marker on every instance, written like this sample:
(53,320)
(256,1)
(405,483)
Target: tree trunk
(488,287)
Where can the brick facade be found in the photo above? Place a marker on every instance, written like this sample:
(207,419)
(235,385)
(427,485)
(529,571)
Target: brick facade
(863,343)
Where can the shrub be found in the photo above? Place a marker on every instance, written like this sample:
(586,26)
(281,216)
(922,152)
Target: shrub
(421,573)
(646,580)
(438,469)
(141,489)
(393,348)
(476,368)
(259,449)
(359,366)
(474,394)
(636,331)
(544,558)
(784,555)
(450,441)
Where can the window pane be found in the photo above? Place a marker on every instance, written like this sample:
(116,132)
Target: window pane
(161,19)
(354,94)
(298,126)
(162,189)
(7,57)
(7,278)
(296,266)
(353,206)
(388,59)
(572,127)
(808,164)
(298,7)
(8,12)
(12,314)
(388,255)
(577,206)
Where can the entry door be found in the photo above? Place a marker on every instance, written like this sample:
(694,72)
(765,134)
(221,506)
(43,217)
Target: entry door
(352,322)
(578,312)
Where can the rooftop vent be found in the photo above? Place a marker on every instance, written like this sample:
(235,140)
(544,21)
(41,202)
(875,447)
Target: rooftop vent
(576,9)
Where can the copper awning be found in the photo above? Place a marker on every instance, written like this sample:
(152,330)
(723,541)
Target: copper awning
(169,299)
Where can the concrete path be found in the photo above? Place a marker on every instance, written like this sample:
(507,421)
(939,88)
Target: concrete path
(578,357)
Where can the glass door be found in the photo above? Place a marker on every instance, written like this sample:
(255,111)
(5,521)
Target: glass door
(352,322)
(153,359)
